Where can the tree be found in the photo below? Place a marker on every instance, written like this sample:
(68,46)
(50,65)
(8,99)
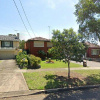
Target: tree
(22,44)
(88,17)
(66,45)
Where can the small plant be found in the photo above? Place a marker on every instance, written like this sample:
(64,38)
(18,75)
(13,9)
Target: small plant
(49,61)
(46,58)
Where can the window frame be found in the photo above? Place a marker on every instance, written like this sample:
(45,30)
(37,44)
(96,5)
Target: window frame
(3,44)
(97,52)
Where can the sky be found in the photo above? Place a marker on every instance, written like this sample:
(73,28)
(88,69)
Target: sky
(58,14)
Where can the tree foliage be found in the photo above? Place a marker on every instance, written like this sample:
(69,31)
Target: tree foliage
(22,44)
(88,17)
(66,46)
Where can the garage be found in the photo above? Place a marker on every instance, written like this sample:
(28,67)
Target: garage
(7,54)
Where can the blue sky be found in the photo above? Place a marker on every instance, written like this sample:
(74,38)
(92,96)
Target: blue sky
(58,14)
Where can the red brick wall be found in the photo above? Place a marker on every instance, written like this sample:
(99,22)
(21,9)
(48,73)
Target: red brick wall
(34,50)
(89,53)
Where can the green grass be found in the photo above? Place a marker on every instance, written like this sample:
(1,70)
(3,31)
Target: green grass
(87,72)
(36,80)
(58,64)
(92,77)
(50,79)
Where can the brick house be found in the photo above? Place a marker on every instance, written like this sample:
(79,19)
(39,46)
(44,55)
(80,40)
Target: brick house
(9,46)
(34,45)
(93,50)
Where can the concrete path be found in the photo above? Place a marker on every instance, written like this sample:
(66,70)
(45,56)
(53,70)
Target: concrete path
(10,80)
(56,69)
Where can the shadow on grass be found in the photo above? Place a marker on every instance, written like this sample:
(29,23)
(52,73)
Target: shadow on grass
(55,81)
(93,79)
(60,82)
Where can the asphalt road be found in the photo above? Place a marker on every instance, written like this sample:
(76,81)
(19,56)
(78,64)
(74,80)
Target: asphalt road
(87,94)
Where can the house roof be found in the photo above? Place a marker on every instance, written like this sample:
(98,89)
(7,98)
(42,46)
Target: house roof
(8,38)
(92,45)
(39,39)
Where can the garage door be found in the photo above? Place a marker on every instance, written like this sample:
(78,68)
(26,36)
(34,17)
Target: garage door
(7,55)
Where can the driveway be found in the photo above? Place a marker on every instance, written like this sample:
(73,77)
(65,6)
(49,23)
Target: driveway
(10,80)
(93,64)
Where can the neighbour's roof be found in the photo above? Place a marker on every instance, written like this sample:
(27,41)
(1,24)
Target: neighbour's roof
(39,39)
(92,45)
(8,38)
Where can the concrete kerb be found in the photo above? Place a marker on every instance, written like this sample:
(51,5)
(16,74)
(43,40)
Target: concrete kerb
(37,92)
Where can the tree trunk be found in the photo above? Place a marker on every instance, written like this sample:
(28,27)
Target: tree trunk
(68,69)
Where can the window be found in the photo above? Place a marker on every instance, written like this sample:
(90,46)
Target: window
(95,52)
(6,44)
(38,43)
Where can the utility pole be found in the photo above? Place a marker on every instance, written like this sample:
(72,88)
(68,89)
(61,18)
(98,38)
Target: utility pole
(49,32)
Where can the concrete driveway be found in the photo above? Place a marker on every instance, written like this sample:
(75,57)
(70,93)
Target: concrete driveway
(92,64)
(10,80)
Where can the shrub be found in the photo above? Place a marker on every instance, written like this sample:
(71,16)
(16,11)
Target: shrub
(21,59)
(28,61)
(41,52)
(33,61)
(24,62)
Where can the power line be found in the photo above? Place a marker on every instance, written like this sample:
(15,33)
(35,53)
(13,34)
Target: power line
(21,17)
(26,17)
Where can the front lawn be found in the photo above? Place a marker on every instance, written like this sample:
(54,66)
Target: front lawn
(88,72)
(58,79)
(58,64)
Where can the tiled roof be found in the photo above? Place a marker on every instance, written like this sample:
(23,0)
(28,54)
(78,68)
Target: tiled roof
(39,39)
(92,45)
(8,38)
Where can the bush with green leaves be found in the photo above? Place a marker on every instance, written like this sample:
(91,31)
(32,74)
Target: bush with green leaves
(24,62)
(21,59)
(33,61)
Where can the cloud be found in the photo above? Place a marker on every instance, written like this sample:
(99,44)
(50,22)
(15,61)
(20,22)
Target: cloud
(26,36)
(51,4)
(54,3)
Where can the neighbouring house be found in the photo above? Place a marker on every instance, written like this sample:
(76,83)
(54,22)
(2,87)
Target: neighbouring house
(93,50)
(37,44)
(9,46)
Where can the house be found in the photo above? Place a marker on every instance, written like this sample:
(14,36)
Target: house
(93,50)
(34,45)
(9,46)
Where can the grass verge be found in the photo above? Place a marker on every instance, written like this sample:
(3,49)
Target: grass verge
(58,79)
